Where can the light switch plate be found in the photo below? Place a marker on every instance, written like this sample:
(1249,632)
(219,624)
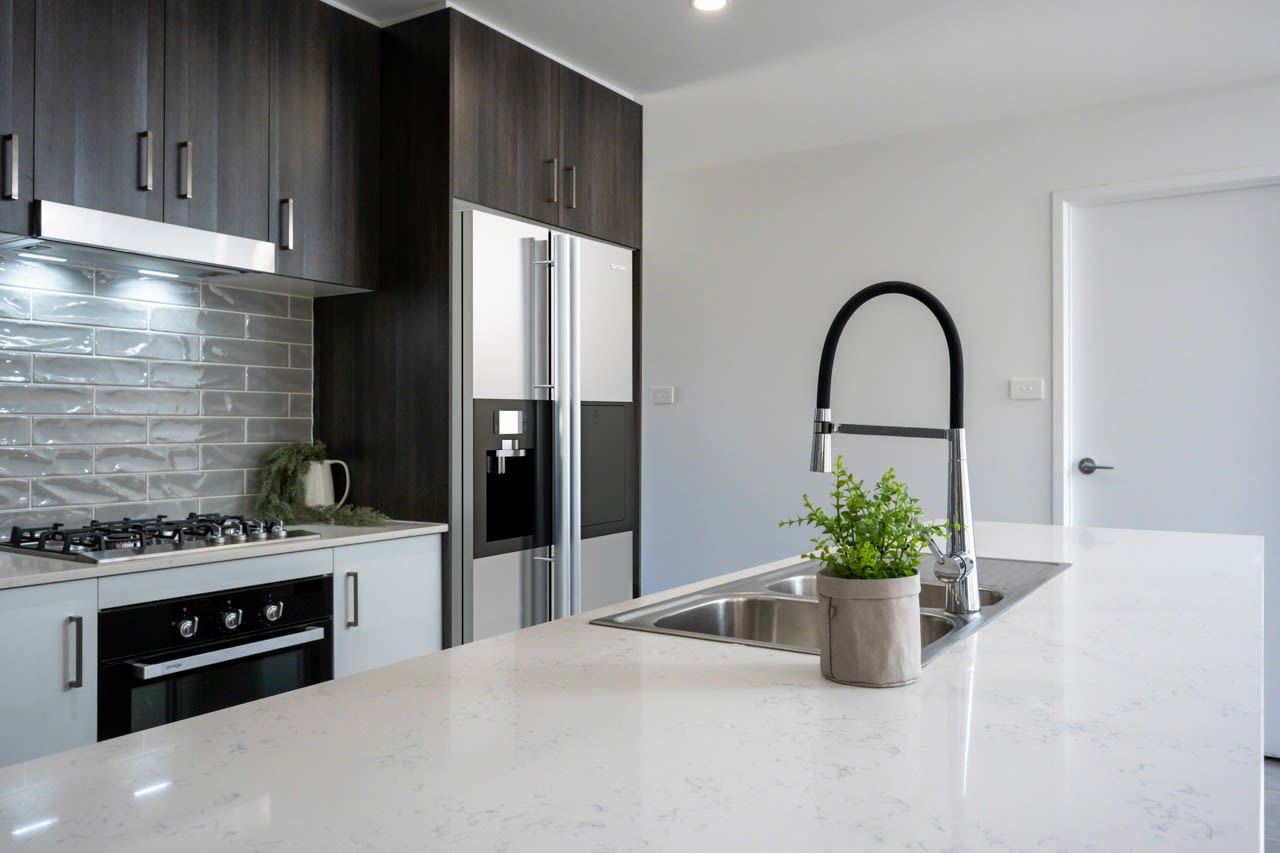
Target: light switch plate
(1026,389)
(663,395)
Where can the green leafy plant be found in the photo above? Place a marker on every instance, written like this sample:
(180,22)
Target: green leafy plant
(869,535)
(280,492)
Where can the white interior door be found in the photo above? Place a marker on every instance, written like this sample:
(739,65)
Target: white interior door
(1174,374)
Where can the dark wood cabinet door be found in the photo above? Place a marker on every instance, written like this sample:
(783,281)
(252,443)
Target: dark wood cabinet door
(325,143)
(504,123)
(600,149)
(217,115)
(99,94)
(17,65)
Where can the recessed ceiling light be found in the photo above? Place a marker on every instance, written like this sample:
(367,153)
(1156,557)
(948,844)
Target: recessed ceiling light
(708,5)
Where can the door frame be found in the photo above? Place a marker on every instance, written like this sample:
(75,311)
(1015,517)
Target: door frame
(1065,203)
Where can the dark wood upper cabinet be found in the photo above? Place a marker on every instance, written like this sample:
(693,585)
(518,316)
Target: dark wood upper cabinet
(17,40)
(99,94)
(505,138)
(217,115)
(324,143)
(600,147)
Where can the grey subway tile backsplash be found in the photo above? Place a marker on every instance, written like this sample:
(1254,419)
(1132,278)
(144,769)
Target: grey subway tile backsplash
(123,395)
(277,429)
(14,431)
(150,401)
(141,459)
(250,404)
(14,304)
(95,430)
(89,370)
(196,430)
(15,494)
(245,301)
(15,367)
(228,351)
(39,276)
(300,406)
(198,321)
(228,377)
(216,457)
(278,329)
(44,337)
(89,310)
(46,399)
(68,491)
(195,485)
(154,345)
(119,285)
(283,379)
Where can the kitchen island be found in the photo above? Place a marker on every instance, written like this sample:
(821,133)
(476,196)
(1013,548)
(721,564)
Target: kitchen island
(1117,707)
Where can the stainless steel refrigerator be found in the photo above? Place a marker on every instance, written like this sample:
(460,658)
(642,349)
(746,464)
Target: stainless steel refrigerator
(545,504)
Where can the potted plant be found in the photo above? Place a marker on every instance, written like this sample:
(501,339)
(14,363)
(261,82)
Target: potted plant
(870,547)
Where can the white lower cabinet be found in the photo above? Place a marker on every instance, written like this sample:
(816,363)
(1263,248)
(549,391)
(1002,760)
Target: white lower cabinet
(387,603)
(48,669)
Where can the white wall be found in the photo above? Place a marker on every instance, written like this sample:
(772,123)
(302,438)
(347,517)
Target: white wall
(746,264)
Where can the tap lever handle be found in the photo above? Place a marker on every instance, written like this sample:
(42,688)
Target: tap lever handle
(937,552)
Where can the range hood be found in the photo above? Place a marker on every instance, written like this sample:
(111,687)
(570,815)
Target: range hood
(63,233)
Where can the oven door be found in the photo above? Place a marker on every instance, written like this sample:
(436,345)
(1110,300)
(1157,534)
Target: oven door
(142,692)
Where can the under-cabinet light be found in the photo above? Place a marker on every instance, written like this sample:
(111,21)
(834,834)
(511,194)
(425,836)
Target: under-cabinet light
(33,256)
(159,274)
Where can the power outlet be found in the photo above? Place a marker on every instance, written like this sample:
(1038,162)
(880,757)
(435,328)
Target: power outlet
(663,395)
(1026,389)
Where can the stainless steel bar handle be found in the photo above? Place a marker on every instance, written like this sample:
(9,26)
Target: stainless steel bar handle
(575,411)
(573,187)
(185,180)
(77,680)
(146,163)
(353,620)
(562,488)
(286,224)
(150,671)
(554,163)
(12,175)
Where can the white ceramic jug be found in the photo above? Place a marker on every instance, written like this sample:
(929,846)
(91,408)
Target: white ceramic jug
(317,483)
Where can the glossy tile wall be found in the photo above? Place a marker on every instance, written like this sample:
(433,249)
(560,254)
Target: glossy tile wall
(132,395)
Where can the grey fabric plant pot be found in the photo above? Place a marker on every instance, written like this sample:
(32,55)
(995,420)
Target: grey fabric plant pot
(869,630)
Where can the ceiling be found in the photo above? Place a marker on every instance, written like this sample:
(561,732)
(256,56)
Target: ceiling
(768,76)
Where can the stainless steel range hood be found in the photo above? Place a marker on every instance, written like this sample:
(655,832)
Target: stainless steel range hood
(63,233)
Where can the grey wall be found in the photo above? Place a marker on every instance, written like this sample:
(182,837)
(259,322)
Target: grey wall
(746,264)
(128,396)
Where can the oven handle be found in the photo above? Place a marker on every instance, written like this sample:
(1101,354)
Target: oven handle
(149,671)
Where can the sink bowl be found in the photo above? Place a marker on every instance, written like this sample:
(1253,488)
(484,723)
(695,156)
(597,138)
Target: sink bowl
(778,609)
(771,620)
(932,595)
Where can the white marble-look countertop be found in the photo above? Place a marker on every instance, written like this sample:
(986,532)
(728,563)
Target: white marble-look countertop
(1116,708)
(30,570)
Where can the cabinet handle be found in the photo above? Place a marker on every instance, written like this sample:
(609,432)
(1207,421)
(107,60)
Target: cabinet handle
(354,610)
(573,187)
(554,163)
(286,224)
(11,174)
(146,164)
(185,179)
(78,680)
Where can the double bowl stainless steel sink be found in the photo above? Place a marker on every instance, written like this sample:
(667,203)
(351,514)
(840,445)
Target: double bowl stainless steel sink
(779,609)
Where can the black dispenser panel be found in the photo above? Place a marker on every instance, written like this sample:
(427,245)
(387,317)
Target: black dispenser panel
(511,464)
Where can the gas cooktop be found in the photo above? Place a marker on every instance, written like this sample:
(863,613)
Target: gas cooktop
(141,538)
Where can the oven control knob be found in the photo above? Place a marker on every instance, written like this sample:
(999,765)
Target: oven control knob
(187,627)
(231,619)
(273,611)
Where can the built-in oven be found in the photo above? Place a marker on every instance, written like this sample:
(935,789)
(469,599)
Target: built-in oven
(164,661)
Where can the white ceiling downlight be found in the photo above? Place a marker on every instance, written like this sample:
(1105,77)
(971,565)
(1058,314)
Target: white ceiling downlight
(708,5)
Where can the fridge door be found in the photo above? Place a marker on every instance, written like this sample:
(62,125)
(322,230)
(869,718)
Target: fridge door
(510,591)
(606,570)
(507,314)
(606,299)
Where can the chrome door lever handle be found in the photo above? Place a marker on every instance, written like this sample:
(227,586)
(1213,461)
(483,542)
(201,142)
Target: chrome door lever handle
(1088,466)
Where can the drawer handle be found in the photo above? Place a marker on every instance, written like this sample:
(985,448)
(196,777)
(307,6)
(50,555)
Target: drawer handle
(185,180)
(146,164)
(11,174)
(77,680)
(573,187)
(286,224)
(554,163)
